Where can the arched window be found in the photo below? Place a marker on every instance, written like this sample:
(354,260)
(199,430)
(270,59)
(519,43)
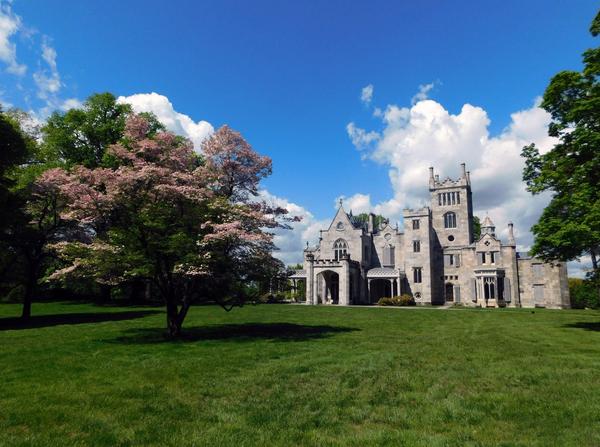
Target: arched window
(339,248)
(450,220)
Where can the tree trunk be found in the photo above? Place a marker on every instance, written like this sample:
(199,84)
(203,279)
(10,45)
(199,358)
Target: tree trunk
(173,321)
(28,297)
(176,316)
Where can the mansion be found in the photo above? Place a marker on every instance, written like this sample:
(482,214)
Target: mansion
(435,259)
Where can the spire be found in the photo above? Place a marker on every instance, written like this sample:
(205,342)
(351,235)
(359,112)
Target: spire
(341,201)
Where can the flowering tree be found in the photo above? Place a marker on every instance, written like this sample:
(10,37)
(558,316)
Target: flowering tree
(162,214)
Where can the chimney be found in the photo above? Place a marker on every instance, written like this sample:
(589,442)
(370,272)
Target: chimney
(431,178)
(437,177)
(463,171)
(511,236)
(469,177)
(371,225)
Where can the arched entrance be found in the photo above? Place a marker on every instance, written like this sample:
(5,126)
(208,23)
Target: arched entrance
(328,287)
(449,292)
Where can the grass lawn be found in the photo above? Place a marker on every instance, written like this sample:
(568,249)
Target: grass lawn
(297,375)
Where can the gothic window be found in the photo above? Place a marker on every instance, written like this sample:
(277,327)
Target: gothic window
(489,288)
(450,220)
(492,257)
(458,198)
(415,224)
(416,246)
(388,255)
(417,275)
(339,248)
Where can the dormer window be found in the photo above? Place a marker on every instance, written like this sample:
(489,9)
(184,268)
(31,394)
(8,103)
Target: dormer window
(450,220)
(340,248)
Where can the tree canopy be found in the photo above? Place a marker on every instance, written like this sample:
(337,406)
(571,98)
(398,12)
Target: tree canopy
(570,225)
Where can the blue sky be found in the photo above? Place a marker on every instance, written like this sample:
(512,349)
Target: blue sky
(289,76)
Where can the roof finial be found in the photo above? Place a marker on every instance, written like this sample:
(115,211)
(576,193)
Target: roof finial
(341,201)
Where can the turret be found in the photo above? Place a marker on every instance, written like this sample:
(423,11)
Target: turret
(488,227)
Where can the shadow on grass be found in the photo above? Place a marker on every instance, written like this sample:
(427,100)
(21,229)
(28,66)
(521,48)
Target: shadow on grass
(234,332)
(40,321)
(587,325)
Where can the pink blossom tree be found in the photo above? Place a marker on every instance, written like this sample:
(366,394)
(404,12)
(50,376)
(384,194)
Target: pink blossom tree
(163,214)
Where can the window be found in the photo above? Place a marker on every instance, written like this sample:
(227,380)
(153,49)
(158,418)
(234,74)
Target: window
(538,271)
(481,257)
(450,220)
(339,248)
(489,288)
(449,198)
(417,275)
(388,255)
(415,224)
(492,257)
(451,260)
(416,246)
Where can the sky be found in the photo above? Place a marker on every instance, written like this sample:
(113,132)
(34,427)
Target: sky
(351,100)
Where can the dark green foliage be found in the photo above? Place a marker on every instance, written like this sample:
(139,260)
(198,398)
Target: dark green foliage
(570,225)
(476,228)
(279,375)
(583,294)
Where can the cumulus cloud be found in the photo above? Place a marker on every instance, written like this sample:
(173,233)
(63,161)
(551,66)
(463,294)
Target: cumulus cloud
(291,243)
(426,134)
(10,24)
(366,94)
(176,122)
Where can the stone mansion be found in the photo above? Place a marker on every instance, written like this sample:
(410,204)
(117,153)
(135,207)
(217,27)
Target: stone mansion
(436,259)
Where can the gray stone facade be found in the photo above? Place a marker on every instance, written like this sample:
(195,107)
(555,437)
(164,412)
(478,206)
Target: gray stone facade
(435,259)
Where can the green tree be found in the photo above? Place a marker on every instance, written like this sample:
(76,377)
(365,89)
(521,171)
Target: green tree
(476,228)
(363,219)
(570,225)
(82,135)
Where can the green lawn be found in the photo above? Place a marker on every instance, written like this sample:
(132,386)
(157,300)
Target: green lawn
(296,375)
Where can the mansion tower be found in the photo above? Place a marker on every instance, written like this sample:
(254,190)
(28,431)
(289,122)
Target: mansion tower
(436,258)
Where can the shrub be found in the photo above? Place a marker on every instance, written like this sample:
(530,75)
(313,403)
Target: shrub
(403,300)
(583,293)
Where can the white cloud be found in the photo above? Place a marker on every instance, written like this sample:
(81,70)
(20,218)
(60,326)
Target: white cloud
(10,24)
(48,80)
(176,122)
(421,95)
(360,138)
(366,94)
(426,134)
(291,243)
(70,103)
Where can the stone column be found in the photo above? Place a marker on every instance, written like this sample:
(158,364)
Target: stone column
(310,280)
(344,285)
(391,287)
(369,291)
